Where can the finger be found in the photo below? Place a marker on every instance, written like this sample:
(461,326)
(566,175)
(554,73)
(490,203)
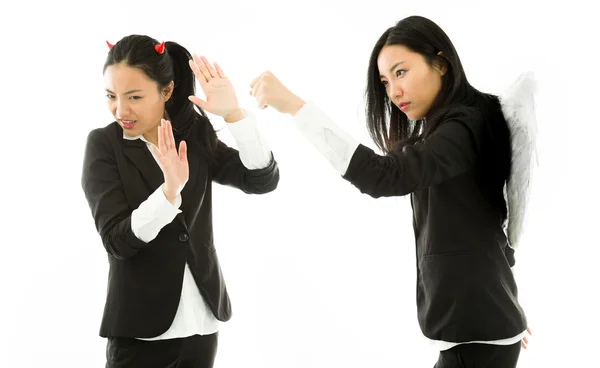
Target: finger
(261,102)
(170,137)
(260,96)
(183,152)
(255,89)
(525,340)
(255,80)
(199,76)
(529,330)
(202,68)
(198,101)
(523,345)
(166,136)
(220,71)
(166,139)
(211,69)
(161,139)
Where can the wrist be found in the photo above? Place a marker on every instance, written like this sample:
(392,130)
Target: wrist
(234,116)
(170,195)
(295,106)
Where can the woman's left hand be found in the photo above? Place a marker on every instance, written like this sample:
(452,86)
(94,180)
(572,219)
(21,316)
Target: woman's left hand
(221,99)
(524,342)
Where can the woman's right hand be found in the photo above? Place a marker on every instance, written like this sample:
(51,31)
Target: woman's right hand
(174,165)
(269,91)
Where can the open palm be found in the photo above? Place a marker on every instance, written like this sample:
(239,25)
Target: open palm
(174,165)
(221,99)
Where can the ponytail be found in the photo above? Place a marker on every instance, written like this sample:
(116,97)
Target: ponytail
(184,117)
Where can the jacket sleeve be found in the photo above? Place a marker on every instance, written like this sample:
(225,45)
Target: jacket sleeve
(252,168)
(451,150)
(102,187)
(229,170)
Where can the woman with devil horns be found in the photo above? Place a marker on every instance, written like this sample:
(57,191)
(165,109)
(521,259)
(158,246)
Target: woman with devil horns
(448,146)
(147,178)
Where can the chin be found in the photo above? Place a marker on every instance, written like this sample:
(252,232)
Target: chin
(414,116)
(130,132)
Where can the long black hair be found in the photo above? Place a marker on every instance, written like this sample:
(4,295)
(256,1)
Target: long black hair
(138,51)
(387,125)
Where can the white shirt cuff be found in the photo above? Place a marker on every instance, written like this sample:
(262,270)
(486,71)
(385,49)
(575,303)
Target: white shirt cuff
(153,214)
(254,150)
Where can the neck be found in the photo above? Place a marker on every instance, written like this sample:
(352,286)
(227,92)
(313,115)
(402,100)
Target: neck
(152,135)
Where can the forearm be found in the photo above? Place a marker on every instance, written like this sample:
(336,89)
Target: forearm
(229,170)
(154,213)
(335,144)
(450,151)
(264,180)
(253,149)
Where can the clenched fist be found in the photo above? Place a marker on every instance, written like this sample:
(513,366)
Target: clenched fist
(269,91)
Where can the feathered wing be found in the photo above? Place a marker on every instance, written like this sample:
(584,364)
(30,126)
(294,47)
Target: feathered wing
(518,107)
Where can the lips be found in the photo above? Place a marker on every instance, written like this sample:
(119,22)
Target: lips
(403,105)
(127,124)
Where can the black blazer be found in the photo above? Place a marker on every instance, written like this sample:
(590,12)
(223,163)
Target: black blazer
(465,287)
(145,279)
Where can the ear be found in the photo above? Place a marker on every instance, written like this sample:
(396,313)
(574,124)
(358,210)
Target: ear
(168,91)
(441,64)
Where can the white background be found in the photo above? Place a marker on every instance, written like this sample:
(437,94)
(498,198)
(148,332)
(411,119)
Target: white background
(319,275)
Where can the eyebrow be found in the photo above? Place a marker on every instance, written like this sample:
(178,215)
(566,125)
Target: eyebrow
(393,67)
(127,93)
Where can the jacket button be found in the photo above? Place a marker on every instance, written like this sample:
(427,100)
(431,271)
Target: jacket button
(183,237)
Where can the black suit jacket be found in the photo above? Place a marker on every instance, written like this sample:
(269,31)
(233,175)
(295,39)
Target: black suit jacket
(145,279)
(465,287)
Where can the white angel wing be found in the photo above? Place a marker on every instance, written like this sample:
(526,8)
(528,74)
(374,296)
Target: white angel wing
(518,107)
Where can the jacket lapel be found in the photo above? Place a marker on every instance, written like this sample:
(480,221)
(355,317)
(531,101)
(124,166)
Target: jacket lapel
(140,156)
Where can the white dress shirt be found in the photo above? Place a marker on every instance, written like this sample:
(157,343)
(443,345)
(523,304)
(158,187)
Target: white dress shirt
(338,147)
(193,316)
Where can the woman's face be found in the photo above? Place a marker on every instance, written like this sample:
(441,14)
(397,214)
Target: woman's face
(410,82)
(135,100)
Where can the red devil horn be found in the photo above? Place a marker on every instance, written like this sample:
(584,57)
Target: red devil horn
(160,48)
(109,45)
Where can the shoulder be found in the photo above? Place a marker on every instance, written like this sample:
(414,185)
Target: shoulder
(478,115)
(106,132)
(101,139)
(462,117)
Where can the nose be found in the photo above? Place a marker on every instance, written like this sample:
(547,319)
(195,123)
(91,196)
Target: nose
(122,108)
(396,91)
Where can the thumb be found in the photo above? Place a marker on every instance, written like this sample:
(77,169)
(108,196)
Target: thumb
(198,101)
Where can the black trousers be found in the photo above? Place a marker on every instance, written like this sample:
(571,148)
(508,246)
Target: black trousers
(190,352)
(479,356)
